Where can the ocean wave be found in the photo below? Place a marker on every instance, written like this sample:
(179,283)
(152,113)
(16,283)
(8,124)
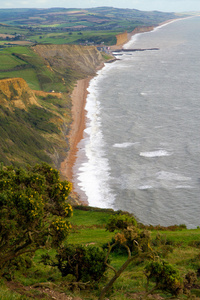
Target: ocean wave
(157,153)
(93,173)
(145,187)
(163,175)
(184,187)
(124,145)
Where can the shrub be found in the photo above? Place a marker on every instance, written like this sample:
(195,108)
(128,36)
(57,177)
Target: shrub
(165,276)
(120,222)
(85,263)
(33,210)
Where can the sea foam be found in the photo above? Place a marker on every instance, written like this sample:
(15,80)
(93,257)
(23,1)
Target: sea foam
(124,145)
(94,172)
(157,153)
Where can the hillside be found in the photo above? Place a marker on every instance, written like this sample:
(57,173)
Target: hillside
(35,122)
(80,60)
(73,26)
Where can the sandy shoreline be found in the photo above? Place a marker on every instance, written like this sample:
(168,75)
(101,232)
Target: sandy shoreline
(79,96)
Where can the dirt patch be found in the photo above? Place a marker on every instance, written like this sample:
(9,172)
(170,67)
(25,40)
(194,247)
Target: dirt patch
(141,296)
(4,36)
(45,94)
(19,43)
(40,291)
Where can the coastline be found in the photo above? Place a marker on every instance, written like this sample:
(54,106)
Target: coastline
(79,97)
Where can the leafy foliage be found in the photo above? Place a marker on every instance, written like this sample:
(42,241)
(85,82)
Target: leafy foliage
(85,263)
(165,276)
(33,210)
(128,236)
(120,222)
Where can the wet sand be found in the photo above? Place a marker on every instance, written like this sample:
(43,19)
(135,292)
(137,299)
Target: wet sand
(78,97)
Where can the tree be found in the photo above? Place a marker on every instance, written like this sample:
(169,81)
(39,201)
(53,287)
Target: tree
(33,210)
(135,241)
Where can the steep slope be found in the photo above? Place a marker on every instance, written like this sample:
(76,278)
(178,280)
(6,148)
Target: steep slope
(29,132)
(34,126)
(16,93)
(81,61)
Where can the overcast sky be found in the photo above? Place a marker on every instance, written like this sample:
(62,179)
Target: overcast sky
(161,5)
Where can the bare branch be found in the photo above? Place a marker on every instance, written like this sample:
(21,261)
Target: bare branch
(112,268)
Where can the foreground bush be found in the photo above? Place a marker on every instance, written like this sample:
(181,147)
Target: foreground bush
(165,276)
(84,263)
(33,211)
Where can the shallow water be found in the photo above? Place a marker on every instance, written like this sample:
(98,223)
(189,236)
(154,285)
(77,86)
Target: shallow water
(141,146)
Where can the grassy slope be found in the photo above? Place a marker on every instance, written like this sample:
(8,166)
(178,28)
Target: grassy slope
(27,136)
(40,133)
(89,227)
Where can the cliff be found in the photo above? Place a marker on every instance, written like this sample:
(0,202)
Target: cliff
(15,92)
(142,29)
(32,129)
(84,60)
(34,125)
(122,38)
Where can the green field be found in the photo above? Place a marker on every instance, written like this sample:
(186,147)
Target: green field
(8,62)
(21,61)
(88,227)
(60,25)
(81,37)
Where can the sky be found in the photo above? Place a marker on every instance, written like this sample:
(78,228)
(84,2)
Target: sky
(148,5)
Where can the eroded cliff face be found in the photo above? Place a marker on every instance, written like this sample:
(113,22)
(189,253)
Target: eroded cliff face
(142,29)
(15,92)
(82,59)
(122,38)
(32,129)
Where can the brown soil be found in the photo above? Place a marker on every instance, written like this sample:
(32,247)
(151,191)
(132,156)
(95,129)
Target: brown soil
(40,291)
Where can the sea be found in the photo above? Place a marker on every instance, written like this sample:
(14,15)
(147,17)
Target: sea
(141,147)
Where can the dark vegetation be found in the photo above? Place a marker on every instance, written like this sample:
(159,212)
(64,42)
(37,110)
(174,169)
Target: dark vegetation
(33,213)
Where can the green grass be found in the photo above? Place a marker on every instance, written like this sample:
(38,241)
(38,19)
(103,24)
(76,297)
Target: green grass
(80,218)
(6,294)
(94,236)
(23,57)
(76,38)
(23,62)
(9,62)
(29,75)
(88,228)
(133,280)
(181,238)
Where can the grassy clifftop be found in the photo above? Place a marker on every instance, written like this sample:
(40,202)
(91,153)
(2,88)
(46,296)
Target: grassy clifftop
(176,245)
(35,125)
